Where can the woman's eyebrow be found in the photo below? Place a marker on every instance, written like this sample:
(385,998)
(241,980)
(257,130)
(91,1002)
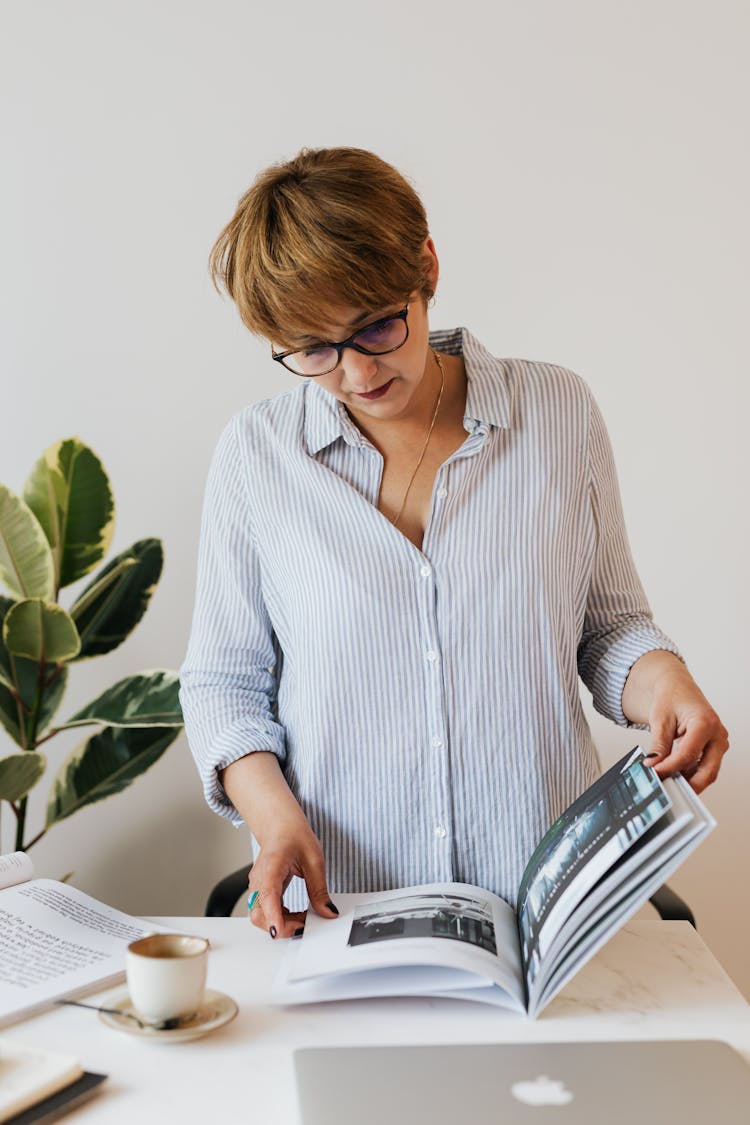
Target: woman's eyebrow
(373,317)
(307,340)
(364,316)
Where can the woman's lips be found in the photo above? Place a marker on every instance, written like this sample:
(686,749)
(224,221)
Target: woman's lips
(378,393)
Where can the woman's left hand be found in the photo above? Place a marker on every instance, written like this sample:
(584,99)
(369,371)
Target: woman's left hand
(686,733)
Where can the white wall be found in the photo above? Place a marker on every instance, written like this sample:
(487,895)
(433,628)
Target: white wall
(585,166)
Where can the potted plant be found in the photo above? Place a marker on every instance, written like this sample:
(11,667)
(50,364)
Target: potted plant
(57,532)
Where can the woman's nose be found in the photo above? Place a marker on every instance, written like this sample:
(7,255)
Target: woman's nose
(360,370)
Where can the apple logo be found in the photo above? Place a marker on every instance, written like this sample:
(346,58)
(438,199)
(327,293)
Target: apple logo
(542,1091)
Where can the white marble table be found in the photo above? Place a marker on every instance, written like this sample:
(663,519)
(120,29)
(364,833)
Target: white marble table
(654,980)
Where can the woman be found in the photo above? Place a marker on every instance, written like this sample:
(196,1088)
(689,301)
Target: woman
(406,562)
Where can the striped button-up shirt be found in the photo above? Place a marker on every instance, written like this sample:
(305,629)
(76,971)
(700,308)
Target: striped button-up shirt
(424,704)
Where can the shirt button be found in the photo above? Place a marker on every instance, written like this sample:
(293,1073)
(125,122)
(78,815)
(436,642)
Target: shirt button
(426,571)
(441,831)
(431,656)
(437,742)
(442,493)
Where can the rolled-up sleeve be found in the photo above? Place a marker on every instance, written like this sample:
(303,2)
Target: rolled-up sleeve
(228,680)
(618,625)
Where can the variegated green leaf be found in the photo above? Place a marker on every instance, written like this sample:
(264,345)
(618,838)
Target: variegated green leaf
(104,765)
(40,631)
(23,678)
(112,605)
(19,773)
(26,563)
(6,672)
(149,699)
(53,694)
(9,715)
(6,603)
(69,492)
(9,705)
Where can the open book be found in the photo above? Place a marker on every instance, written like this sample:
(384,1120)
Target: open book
(55,940)
(596,866)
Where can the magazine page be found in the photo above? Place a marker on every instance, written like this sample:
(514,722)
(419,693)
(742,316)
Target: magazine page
(16,867)
(659,844)
(440,925)
(55,940)
(633,896)
(398,980)
(590,836)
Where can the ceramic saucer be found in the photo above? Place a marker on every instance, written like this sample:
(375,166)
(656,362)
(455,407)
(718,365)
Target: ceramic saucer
(216,1010)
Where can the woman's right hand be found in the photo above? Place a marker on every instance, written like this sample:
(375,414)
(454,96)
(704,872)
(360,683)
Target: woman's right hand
(291,851)
(288,846)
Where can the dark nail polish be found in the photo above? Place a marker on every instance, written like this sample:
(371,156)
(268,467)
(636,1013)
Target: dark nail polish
(272,931)
(299,932)
(332,907)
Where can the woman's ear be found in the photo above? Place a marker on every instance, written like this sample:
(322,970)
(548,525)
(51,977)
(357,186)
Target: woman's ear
(433,265)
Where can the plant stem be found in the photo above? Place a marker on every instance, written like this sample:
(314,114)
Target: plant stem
(35,840)
(46,737)
(59,669)
(30,741)
(20,824)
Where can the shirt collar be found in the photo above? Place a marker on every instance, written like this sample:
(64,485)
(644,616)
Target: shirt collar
(326,420)
(487,395)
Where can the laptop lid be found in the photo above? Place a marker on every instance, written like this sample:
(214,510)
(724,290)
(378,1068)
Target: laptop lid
(693,1082)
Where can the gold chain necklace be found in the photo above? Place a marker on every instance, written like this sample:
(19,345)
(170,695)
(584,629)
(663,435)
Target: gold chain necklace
(426,440)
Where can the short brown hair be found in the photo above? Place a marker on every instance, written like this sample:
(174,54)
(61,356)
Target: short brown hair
(332,226)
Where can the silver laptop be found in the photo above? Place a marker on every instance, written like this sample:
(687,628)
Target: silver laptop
(690,1082)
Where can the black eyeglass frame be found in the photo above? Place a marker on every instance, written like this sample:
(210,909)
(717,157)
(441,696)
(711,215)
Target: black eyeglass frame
(348,343)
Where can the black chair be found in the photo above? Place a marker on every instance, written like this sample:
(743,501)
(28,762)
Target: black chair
(672,908)
(227,893)
(229,890)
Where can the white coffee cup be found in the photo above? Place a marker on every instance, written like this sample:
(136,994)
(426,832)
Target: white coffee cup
(167,976)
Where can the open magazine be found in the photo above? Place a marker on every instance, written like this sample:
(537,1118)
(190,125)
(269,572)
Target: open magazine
(55,940)
(596,866)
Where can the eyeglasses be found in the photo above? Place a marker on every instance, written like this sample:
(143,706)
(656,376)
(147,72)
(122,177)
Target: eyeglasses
(379,338)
